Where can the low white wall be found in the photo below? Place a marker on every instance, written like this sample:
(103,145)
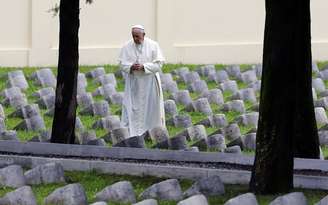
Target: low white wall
(189,31)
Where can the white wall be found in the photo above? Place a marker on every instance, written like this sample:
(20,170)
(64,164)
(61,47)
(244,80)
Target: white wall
(189,31)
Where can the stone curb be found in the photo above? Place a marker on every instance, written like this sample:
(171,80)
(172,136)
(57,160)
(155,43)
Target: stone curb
(138,169)
(67,150)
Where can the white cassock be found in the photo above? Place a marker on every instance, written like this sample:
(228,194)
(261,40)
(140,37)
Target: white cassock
(143,106)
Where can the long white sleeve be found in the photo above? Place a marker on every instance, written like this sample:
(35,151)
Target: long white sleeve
(153,67)
(125,67)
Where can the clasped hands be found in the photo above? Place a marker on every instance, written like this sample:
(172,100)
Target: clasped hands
(137,67)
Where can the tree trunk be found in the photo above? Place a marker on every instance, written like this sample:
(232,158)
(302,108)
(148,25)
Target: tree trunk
(63,128)
(286,126)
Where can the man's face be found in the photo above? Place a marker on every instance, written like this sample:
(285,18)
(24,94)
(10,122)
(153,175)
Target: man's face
(138,36)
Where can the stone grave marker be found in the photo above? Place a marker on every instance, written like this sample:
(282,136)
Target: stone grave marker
(191,77)
(26,111)
(47,101)
(44,77)
(9,135)
(178,142)
(17,79)
(256,86)
(116,98)
(84,100)
(221,76)
(34,123)
(249,76)
(219,120)
(197,86)
(120,192)
(108,78)
(322,102)
(183,120)
(85,136)
(165,190)
(203,106)
(14,74)
(105,90)
(12,176)
(109,123)
(320,116)
(196,133)
(119,134)
(234,105)
(233,71)
(248,119)
(96,72)
(135,141)
(323,74)
(182,97)
(250,141)
(206,70)
(44,92)
(214,96)
(247,94)
(16,101)
(166,78)
(170,87)
(72,194)
(209,186)
(230,86)
(216,143)
(181,71)
(45,174)
(232,131)
(318,85)
(100,108)
(158,135)
(12,92)
(170,107)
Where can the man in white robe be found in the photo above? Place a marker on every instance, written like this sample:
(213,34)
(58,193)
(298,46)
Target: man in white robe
(141,60)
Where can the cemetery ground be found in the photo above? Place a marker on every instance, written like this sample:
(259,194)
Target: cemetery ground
(94,182)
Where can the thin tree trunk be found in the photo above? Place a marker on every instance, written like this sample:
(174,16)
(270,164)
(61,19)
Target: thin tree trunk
(63,128)
(286,126)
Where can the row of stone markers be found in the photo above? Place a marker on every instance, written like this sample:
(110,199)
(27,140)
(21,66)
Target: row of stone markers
(226,81)
(13,176)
